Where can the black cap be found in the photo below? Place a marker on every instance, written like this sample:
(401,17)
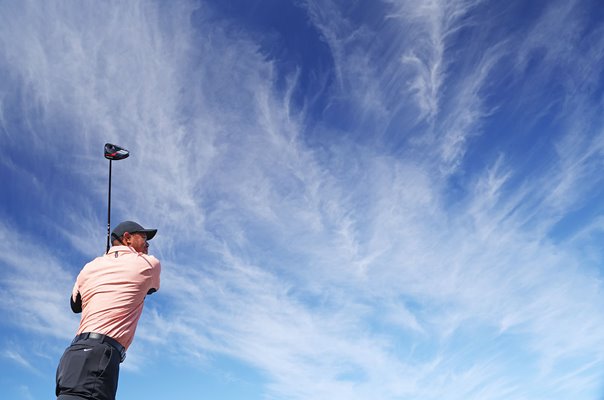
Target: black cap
(131,227)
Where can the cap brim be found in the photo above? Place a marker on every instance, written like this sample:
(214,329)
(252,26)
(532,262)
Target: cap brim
(149,232)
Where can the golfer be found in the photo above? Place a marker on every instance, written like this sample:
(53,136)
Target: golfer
(109,292)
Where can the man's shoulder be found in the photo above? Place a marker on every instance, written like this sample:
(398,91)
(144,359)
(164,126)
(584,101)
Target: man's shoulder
(95,262)
(120,255)
(149,259)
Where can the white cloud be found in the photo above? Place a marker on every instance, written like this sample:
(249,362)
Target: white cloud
(339,272)
(36,286)
(18,358)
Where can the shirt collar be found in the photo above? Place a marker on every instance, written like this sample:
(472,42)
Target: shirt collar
(116,249)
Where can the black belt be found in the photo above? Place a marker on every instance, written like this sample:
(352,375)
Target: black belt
(103,339)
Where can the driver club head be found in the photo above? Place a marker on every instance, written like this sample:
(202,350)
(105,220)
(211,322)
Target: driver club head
(114,152)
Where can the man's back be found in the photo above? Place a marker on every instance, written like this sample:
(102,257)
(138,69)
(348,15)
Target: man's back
(113,288)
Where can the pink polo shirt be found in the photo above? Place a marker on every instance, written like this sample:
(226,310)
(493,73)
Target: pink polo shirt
(113,289)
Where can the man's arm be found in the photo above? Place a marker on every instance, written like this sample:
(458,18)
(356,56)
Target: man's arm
(76,306)
(155,272)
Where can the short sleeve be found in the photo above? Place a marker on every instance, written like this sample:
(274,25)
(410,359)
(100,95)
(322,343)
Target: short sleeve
(75,291)
(155,272)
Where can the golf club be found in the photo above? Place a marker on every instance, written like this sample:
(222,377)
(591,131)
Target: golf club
(112,152)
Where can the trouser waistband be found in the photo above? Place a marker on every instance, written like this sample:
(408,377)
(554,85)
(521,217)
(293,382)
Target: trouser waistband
(102,339)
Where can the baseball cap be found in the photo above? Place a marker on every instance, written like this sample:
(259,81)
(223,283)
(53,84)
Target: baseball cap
(131,227)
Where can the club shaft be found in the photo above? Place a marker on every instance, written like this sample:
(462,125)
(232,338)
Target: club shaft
(109,211)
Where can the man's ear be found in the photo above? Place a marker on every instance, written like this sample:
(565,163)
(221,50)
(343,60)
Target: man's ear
(126,238)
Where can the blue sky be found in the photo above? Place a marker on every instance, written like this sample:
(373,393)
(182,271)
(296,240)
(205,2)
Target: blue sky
(355,199)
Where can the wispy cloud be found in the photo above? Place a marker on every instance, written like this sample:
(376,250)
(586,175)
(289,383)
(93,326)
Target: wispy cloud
(340,269)
(18,358)
(430,24)
(37,278)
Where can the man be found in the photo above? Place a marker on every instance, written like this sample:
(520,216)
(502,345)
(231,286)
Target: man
(109,292)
